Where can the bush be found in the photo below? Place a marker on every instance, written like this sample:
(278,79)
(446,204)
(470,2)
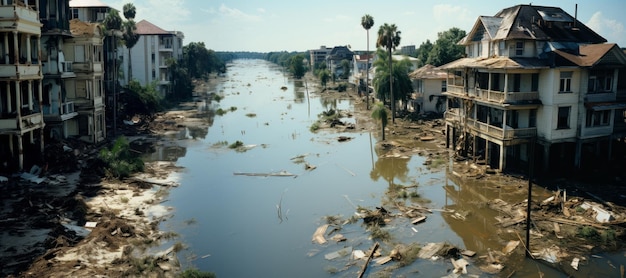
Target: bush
(120,162)
(194,273)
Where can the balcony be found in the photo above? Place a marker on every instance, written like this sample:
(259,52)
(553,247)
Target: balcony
(18,71)
(499,133)
(20,18)
(492,95)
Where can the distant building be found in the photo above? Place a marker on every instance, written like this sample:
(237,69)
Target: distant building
(334,58)
(429,83)
(149,56)
(89,10)
(318,55)
(408,50)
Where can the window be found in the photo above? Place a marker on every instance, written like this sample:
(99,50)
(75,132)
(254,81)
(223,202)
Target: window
(598,118)
(563,118)
(517,81)
(532,118)
(600,81)
(519,48)
(534,83)
(565,84)
(74,13)
(444,86)
(153,74)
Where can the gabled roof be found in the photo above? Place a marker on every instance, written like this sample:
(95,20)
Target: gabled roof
(144,27)
(88,4)
(528,22)
(428,72)
(594,54)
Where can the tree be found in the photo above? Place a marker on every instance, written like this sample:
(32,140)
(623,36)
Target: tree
(423,52)
(402,85)
(201,61)
(446,49)
(345,69)
(324,76)
(296,66)
(113,21)
(367,21)
(130,36)
(380,113)
(389,38)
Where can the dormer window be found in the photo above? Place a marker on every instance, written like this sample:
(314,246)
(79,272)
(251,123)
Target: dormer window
(519,48)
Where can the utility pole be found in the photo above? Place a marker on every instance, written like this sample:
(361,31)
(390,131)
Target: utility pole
(531,168)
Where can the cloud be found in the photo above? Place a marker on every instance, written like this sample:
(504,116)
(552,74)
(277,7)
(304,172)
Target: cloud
(237,14)
(261,10)
(610,29)
(447,12)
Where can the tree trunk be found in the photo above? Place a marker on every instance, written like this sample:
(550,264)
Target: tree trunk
(393,103)
(367,73)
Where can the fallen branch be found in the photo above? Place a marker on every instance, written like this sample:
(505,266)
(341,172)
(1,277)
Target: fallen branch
(369,258)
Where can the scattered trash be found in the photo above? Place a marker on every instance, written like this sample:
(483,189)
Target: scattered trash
(339,253)
(574,263)
(418,220)
(90,224)
(430,250)
(358,254)
(318,236)
(510,247)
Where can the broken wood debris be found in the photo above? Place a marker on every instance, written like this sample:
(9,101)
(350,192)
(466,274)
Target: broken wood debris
(318,236)
(369,258)
(270,174)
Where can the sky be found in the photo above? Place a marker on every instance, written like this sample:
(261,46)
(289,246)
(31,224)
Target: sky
(288,25)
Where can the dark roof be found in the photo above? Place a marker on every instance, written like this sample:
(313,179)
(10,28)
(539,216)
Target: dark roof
(591,55)
(144,27)
(340,53)
(528,22)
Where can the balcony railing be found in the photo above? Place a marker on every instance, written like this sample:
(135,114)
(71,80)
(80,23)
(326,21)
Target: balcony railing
(66,66)
(507,133)
(67,108)
(492,95)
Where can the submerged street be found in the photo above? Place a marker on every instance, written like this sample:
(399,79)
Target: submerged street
(252,211)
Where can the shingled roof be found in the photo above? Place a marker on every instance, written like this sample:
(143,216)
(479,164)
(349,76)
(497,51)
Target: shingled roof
(528,22)
(144,27)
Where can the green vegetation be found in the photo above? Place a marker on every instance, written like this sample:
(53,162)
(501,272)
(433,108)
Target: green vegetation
(389,38)
(314,127)
(235,145)
(119,160)
(401,85)
(251,115)
(367,21)
(139,100)
(195,273)
(217,97)
(588,232)
(380,113)
(444,50)
(291,61)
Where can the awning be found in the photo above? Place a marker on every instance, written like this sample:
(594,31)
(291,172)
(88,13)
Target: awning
(602,106)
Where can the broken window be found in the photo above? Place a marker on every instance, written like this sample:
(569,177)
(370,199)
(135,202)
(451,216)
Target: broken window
(563,117)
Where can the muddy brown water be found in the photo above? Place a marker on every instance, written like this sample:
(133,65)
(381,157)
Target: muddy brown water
(261,226)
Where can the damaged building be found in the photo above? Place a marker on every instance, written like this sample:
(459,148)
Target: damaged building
(535,81)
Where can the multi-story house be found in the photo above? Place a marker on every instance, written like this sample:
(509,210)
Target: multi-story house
(89,10)
(86,91)
(335,58)
(535,78)
(21,117)
(429,83)
(151,54)
(93,11)
(58,107)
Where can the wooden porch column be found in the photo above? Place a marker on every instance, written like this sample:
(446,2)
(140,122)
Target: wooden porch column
(506,83)
(28,50)
(6,48)
(16,49)
(474,148)
(504,123)
(21,151)
(577,154)
(9,98)
(502,157)
(487,158)
(30,95)
(546,158)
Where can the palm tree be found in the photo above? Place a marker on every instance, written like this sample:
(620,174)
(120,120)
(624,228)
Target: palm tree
(402,84)
(389,38)
(367,21)
(130,35)
(380,113)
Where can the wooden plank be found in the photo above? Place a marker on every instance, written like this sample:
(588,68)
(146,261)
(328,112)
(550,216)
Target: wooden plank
(318,236)
(369,258)
(418,219)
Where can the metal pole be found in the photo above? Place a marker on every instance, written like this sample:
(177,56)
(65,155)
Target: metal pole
(531,166)
(114,86)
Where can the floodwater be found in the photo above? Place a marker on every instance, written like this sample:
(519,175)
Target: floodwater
(261,226)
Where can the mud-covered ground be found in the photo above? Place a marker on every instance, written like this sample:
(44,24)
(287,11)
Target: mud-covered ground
(43,222)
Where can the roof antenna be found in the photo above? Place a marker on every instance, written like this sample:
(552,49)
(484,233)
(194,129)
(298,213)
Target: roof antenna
(575,16)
